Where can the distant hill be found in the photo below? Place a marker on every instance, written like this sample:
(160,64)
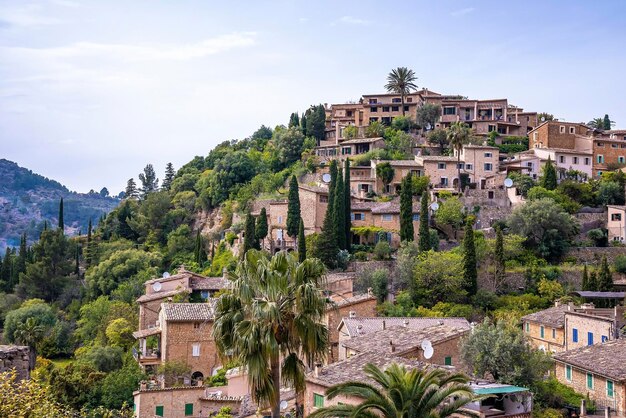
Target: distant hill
(28,199)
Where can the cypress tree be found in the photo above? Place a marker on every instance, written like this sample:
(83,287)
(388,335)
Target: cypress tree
(61,222)
(593,281)
(605,278)
(293,208)
(585,280)
(169,176)
(261,229)
(606,122)
(89,255)
(340,211)
(77,260)
(347,204)
(22,255)
(248,238)
(499,258)
(301,243)
(303,124)
(7,268)
(469,258)
(548,180)
(294,120)
(199,253)
(407,231)
(424,240)
(326,249)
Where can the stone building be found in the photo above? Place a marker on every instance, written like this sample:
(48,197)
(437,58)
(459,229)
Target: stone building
(401,168)
(616,223)
(598,370)
(479,163)
(383,216)
(609,151)
(441,169)
(561,135)
(18,358)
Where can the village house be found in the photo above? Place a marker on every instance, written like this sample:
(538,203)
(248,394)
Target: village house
(560,135)
(381,220)
(401,168)
(441,169)
(531,162)
(384,108)
(363,181)
(355,327)
(328,150)
(616,223)
(479,163)
(598,370)
(609,151)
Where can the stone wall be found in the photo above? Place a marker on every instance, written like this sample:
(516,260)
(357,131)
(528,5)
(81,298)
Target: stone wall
(593,255)
(14,357)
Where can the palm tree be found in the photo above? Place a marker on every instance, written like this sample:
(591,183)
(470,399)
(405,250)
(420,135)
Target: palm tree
(401,81)
(30,333)
(272,318)
(459,134)
(596,123)
(401,393)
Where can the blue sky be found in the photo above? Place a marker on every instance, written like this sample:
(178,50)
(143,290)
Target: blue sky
(91,91)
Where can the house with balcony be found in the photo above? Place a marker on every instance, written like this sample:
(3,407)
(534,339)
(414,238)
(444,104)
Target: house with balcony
(384,107)
(327,150)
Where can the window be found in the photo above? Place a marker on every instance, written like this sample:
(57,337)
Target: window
(529,165)
(553,334)
(600,159)
(349,113)
(409,99)
(488,166)
(568,372)
(605,338)
(460,166)
(542,332)
(406,108)
(188,409)
(469,167)
(613,145)
(444,181)
(490,194)
(587,161)
(571,129)
(616,216)
(447,361)
(373,109)
(385,108)
(599,173)
(492,128)
(387,217)
(575,160)
(441,166)
(158,411)
(589,381)
(449,110)
(488,155)
(373,101)
(561,158)
(396,100)
(620,160)
(372,120)
(346,150)
(562,129)
(416,217)
(609,388)
(280,219)
(323,199)
(358,216)
(590,338)
(395,108)
(527,326)
(318,400)
(600,144)
(535,135)
(195,350)
(196,325)
(574,335)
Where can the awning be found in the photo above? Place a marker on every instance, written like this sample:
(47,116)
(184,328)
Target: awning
(499,389)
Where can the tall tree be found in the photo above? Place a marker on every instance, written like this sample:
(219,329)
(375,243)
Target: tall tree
(149,181)
(303,123)
(459,134)
(199,254)
(293,208)
(424,242)
(585,280)
(326,248)
(340,211)
(499,274)
(249,237)
(7,269)
(438,137)
(548,178)
(89,251)
(169,176)
(401,392)
(428,115)
(131,189)
(77,261)
(294,120)
(470,271)
(385,172)
(301,242)
(347,204)
(607,123)
(316,122)
(593,281)
(267,292)
(407,232)
(61,220)
(605,278)
(261,229)
(401,81)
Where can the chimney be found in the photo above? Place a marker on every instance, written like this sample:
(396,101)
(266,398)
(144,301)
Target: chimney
(369,292)
(557,303)
(143,385)
(392,346)
(352,314)
(406,323)
(384,324)
(317,370)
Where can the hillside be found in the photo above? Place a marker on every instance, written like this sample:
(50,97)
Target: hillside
(28,199)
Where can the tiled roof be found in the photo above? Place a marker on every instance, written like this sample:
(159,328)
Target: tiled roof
(158,295)
(436,158)
(353,300)
(400,163)
(142,333)
(336,277)
(209,283)
(606,359)
(554,317)
(314,189)
(403,338)
(382,207)
(189,311)
(361,141)
(365,325)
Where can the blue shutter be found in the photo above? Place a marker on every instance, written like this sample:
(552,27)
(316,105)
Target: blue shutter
(590,338)
(575,335)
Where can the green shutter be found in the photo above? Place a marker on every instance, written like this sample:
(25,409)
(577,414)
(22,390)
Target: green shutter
(318,400)
(568,372)
(541,331)
(448,361)
(609,388)
(589,381)
(188,409)
(159,411)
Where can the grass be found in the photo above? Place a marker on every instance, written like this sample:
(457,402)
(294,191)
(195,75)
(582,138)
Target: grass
(61,362)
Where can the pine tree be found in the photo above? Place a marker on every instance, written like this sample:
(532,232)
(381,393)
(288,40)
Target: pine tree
(248,238)
(340,212)
(61,221)
(169,177)
(407,231)
(469,258)
(605,278)
(424,239)
(585,280)
(294,120)
(548,180)
(199,253)
(347,204)
(303,124)
(301,243)
(149,181)
(131,189)
(261,226)
(293,208)
(499,260)
(326,248)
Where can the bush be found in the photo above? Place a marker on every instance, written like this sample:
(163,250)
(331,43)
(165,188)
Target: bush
(553,394)
(360,256)
(382,250)
(380,281)
(620,263)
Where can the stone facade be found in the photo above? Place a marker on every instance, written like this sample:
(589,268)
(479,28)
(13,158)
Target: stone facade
(583,329)
(616,223)
(18,358)
(553,339)
(442,170)
(480,162)
(609,152)
(355,306)
(557,134)
(401,168)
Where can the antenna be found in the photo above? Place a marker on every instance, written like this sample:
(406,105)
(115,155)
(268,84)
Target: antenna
(428,353)
(283,405)
(326,178)
(156,286)
(434,206)
(426,344)
(508,182)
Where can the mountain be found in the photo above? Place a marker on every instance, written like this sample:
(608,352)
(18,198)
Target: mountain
(28,199)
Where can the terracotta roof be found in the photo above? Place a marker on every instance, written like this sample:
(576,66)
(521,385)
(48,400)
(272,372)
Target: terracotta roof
(314,189)
(352,300)
(189,311)
(147,332)
(362,205)
(366,325)
(361,141)
(554,316)
(606,359)
(403,338)
(158,295)
(337,277)
(400,163)
(436,158)
(209,283)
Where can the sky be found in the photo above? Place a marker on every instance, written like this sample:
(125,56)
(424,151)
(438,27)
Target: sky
(92,91)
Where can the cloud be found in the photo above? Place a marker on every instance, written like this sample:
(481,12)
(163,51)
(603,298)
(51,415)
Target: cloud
(462,12)
(30,15)
(351,20)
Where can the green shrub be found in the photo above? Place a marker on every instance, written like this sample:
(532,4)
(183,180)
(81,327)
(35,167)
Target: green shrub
(620,263)
(360,256)
(382,250)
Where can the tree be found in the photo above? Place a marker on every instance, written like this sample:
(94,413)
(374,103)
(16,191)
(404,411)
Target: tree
(593,281)
(248,237)
(89,250)
(428,115)
(401,392)
(30,333)
(548,179)
(61,221)
(289,144)
(301,242)
(424,239)
(267,292)
(293,208)
(450,213)
(316,122)
(607,123)
(340,211)
(385,172)
(459,134)
(401,81)
(169,177)
(294,120)
(438,137)
(605,278)
(119,333)
(199,254)
(503,352)
(327,248)
(499,265)
(347,204)
(149,181)
(470,271)
(585,279)
(596,123)
(29,323)
(261,226)
(544,117)
(104,192)
(28,399)
(131,189)
(438,277)
(546,226)
(407,231)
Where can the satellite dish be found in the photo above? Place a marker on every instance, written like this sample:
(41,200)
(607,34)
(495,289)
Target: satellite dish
(283,405)
(428,352)
(434,206)
(426,344)
(156,286)
(166,275)
(508,182)
(326,178)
